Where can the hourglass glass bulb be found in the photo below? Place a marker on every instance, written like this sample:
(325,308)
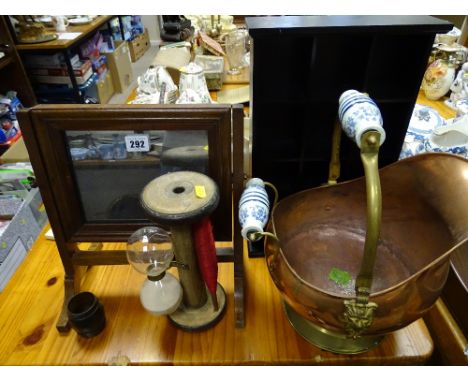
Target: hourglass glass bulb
(161,296)
(149,251)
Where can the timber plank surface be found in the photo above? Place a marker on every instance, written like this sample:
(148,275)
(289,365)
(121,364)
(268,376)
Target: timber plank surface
(31,303)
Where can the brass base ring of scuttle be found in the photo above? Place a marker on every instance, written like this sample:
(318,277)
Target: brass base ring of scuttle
(328,340)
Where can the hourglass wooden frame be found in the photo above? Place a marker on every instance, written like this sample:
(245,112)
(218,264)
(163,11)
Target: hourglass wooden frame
(44,129)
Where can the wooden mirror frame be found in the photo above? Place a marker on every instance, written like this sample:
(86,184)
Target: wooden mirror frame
(44,128)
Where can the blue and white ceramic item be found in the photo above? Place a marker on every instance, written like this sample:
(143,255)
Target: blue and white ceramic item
(120,150)
(435,146)
(358,114)
(424,120)
(462,107)
(93,152)
(421,138)
(412,145)
(451,138)
(78,153)
(106,150)
(254,207)
(422,123)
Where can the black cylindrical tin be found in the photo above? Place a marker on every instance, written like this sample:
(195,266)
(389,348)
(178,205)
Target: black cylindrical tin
(86,314)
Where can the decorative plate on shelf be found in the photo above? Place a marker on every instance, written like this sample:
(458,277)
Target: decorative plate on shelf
(424,120)
(46,20)
(37,39)
(450,48)
(422,123)
(80,20)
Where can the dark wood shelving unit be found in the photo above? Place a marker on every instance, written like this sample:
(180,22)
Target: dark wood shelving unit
(66,47)
(12,73)
(4,61)
(301,65)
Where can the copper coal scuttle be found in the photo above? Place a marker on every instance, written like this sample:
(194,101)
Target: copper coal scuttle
(359,259)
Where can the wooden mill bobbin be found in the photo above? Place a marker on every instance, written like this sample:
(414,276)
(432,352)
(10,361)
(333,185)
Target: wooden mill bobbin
(178,200)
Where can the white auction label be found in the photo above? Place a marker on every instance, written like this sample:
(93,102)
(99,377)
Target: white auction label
(137,142)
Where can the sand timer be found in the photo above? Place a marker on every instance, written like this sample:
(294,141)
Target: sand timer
(149,251)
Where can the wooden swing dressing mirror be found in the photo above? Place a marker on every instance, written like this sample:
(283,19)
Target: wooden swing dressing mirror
(90,168)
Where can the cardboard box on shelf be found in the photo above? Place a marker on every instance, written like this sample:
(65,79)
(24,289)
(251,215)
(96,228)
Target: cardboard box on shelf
(16,153)
(139,46)
(120,66)
(63,79)
(172,59)
(80,69)
(105,88)
(56,60)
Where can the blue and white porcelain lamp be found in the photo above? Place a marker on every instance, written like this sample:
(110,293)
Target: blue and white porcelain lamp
(254,207)
(358,114)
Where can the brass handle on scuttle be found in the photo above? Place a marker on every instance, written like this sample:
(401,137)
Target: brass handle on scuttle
(359,312)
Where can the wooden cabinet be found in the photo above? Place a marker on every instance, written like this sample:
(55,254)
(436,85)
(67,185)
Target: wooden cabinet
(12,73)
(68,48)
(301,65)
